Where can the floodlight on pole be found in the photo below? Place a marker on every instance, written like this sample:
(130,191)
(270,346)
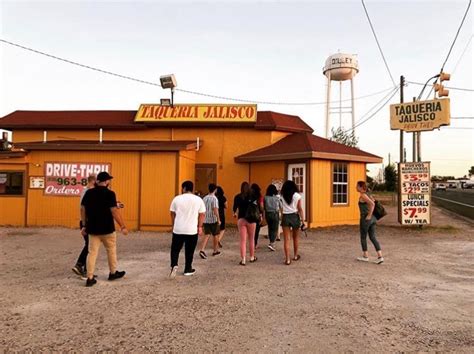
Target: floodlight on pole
(169,82)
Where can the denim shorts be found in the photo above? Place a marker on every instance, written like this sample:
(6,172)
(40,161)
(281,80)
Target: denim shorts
(291,220)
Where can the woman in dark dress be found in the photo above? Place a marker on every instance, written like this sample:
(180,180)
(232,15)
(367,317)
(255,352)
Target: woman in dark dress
(222,207)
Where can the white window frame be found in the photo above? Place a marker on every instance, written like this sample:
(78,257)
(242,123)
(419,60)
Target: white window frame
(337,169)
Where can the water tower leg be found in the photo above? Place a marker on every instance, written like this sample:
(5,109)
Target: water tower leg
(352,104)
(328,100)
(340,104)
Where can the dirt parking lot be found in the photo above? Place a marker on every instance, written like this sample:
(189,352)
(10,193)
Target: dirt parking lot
(420,299)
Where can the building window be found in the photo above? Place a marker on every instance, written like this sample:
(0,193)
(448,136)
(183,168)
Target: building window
(339,184)
(11,183)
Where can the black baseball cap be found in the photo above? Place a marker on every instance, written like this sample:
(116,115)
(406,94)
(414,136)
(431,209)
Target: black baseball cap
(103,176)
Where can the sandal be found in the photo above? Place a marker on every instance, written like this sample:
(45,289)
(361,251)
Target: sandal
(253,260)
(288,262)
(242,263)
(297,257)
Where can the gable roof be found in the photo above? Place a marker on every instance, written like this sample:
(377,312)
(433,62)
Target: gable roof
(307,146)
(124,120)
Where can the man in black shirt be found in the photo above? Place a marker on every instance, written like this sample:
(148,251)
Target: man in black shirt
(98,212)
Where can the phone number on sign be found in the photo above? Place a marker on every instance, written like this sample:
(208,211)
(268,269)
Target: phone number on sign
(71,181)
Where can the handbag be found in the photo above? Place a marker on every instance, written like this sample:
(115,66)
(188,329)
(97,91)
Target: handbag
(252,214)
(379,210)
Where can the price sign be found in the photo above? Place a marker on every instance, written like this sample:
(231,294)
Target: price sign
(415,194)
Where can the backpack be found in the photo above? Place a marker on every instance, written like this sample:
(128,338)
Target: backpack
(379,210)
(253,213)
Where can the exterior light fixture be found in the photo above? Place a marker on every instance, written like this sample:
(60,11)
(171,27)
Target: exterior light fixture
(165,102)
(169,82)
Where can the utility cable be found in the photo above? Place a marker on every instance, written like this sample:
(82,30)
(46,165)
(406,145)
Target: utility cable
(378,44)
(448,87)
(462,55)
(373,114)
(452,45)
(183,90)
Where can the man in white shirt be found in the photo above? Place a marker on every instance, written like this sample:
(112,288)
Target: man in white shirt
(187,217)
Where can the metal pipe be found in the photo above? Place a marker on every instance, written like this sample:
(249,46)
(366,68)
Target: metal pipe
(353,104)
(328,99)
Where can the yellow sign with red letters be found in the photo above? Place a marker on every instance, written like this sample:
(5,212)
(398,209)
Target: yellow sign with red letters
(202,113)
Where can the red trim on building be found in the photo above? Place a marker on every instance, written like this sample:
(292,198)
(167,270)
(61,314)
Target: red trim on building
(124,120)
(303,145)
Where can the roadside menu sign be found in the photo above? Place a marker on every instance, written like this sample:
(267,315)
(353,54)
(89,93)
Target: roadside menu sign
(70,178)
(197,113)
(420,115)
(415,194)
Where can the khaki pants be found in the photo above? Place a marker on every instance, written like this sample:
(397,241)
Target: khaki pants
(110,244)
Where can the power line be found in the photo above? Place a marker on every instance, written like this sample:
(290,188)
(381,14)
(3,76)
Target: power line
(375,105)
(79,64)
(378,44)
(448,87)
(183,90)
(452,45)
(377,111)
(462,55)
(457,34)
(278,103)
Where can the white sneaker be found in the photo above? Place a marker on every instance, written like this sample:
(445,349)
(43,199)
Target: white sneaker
(271,247)
(173,272)
(363,259)
(379,260)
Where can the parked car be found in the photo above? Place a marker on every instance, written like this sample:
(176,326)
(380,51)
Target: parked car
(468,184)
(440,187)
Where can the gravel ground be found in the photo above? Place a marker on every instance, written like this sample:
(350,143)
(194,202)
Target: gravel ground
(420,299)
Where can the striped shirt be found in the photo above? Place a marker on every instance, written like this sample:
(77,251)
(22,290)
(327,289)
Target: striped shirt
(211,202)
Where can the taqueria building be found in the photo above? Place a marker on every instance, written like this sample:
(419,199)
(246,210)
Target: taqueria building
(151,151)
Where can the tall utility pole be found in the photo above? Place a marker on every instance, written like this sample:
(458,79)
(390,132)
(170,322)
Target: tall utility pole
(402,85)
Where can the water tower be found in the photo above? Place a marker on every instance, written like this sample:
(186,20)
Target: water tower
(340,67)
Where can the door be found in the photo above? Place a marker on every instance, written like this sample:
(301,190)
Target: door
(205,174)
(297,174)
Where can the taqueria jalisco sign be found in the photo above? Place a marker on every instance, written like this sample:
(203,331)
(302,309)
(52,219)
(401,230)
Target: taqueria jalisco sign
(201,113)
(420,116)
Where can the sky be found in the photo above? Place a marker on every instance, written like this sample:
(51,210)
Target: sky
(257,50)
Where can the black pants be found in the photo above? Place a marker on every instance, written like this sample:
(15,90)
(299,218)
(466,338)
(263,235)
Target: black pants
(273,221)
(189,242)
(368,227)
(82,260)
(257,231)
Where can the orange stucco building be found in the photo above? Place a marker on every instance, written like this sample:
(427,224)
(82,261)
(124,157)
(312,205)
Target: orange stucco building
(43,172)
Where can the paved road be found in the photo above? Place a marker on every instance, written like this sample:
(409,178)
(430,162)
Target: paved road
(460,201)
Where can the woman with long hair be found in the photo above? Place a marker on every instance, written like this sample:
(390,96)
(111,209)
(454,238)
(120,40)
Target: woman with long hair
(246,226)
(222,207)
(272,206)
(292,219)
(367,223)
(256,194)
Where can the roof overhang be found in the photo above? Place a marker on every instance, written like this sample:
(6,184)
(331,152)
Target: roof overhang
(12,154)
(110,146)
(309,155)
